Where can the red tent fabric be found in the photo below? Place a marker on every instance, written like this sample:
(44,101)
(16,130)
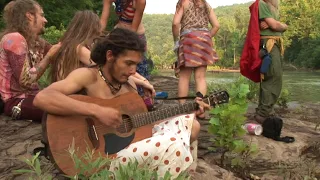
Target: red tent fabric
(250,61)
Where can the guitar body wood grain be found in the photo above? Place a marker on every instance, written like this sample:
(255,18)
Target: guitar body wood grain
(63,131)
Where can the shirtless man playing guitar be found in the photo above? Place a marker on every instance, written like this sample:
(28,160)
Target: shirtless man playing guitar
(117,56)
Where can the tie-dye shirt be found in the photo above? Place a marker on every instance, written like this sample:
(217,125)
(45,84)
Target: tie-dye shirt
(15,62)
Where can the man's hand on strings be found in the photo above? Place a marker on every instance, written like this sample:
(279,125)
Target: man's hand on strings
(108,116)
(202,107)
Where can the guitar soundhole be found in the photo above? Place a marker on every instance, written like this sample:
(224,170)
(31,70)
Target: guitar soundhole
(114,143)
(126,125)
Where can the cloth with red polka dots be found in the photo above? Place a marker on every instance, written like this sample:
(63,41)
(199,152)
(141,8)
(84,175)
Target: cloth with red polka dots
(167,150)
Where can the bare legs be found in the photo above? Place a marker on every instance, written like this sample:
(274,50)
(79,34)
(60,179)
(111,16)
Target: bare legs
(184,81)
(195,131)
(183,85)
(183,90)
(200,79)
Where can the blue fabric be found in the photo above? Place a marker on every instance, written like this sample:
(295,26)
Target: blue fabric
(142,67)
(266,61)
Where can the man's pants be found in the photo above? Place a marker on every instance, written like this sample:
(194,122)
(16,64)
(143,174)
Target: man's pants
(28,111)
(270,87)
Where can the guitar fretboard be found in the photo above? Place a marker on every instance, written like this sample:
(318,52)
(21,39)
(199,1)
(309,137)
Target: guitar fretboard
(153,116)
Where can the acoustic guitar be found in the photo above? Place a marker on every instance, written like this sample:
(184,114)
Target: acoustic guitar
(62,132)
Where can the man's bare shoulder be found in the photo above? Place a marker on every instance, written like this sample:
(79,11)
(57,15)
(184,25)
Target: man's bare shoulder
(77,80)
(84,75)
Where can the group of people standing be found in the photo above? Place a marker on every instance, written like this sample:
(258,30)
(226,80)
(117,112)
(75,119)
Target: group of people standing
(104,65)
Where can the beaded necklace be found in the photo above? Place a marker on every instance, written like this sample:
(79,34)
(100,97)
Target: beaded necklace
(114,90)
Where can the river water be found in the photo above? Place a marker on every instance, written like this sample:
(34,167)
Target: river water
(303,86)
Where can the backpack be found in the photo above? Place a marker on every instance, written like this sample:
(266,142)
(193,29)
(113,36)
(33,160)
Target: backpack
(272,127)
(250,62)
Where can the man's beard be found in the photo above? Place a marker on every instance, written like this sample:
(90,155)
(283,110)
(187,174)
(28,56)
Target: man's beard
(43,30)
(112,72)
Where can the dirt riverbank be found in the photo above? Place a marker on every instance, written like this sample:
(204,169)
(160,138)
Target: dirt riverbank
(275,160)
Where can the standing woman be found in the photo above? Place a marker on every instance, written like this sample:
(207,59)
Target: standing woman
(193,42)
(130,14)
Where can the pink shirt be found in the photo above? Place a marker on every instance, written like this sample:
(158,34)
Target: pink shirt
(15,63)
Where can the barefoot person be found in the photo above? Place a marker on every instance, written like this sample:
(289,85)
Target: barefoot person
(117,56)
(193,42)
(24,57)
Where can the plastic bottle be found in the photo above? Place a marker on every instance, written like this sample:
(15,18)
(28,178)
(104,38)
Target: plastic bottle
(254,129)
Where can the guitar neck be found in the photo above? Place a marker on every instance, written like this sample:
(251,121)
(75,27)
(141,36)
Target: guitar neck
(154,116)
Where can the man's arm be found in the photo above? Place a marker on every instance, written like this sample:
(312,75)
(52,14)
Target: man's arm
(105,14)
(266,15)
(37,71)
(276,25)
(140,5)
(55,100)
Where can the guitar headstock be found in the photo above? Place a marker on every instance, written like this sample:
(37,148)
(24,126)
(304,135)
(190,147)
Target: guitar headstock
(215,98)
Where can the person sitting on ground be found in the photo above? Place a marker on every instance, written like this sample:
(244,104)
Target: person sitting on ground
(117,56)
(24,56)
(76,44)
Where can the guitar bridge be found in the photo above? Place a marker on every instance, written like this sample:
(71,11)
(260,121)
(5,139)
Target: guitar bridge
(92,133)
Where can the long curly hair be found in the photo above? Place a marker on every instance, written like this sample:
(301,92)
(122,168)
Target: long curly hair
(83,28)
(16,20)
(118,41)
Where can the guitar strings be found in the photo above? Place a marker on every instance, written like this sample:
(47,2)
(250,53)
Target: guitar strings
(123,126)
(99,127)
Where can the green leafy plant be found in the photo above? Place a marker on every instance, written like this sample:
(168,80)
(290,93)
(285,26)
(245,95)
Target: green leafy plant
(227,120)
(240,163)
(89,166)
(284,98)
(252,95)
(92,168)
(34,171)
(52,34)
(226,126)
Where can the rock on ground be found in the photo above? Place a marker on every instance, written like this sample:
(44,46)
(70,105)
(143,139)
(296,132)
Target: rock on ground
(275,160)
